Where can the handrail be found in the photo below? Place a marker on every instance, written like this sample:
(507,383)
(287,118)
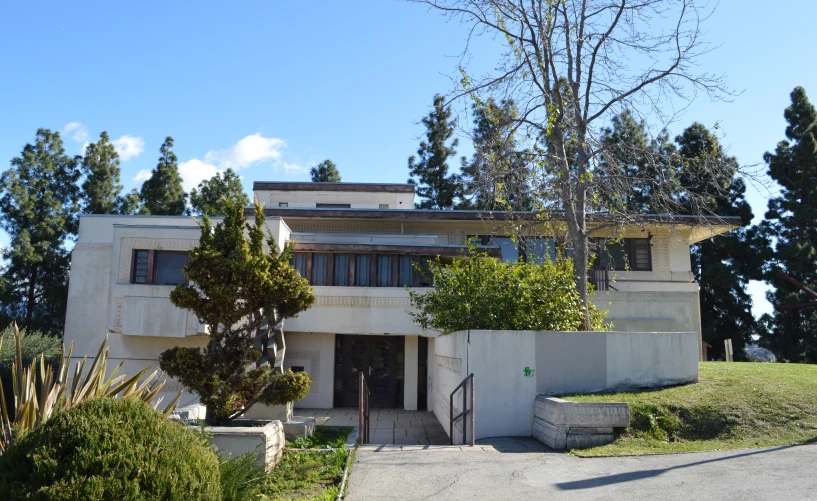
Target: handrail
(363,411)
(464,411)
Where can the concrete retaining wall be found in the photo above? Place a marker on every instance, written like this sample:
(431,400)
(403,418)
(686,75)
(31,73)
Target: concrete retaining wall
(268,441)
(512,367)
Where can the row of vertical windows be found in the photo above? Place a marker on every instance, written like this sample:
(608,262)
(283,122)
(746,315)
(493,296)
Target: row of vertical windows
(362,270)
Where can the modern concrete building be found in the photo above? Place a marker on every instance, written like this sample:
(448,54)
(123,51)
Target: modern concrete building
(356,242)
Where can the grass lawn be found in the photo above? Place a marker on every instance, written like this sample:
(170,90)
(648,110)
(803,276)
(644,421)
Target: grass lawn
(733,406)
(323,438)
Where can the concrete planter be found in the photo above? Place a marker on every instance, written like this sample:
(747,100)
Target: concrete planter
(561,425)
(281,413)
(250,436)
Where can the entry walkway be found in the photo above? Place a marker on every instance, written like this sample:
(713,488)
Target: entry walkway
(523,469)
(387,426)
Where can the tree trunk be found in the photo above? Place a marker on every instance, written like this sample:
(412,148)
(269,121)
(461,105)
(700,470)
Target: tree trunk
(32,286)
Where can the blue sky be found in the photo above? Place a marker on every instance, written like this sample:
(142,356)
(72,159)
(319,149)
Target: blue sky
(271,88)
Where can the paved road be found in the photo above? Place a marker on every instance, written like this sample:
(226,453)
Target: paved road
(520,470)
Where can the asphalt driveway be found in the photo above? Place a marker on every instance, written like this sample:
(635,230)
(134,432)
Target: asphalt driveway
(522,469)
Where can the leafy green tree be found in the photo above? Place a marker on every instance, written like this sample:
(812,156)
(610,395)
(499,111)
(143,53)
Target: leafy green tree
(496,176)
(482,292)
(429,170)
(39,203)
(209,197)
(162,194)
(101,191)
(130,203)
(791,220)
(241,290)
(325,172)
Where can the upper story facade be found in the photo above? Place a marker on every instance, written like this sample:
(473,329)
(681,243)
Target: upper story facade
(357,244)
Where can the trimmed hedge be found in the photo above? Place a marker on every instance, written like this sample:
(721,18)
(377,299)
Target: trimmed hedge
(110,449)
(287,387)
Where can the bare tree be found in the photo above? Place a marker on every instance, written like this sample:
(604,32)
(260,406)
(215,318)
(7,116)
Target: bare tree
(570,66)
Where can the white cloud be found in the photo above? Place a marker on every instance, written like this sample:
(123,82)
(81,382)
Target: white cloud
(142,176)
(195,171)
(293,168)
(129,147)
(83,148)
(79,132)
(248,151)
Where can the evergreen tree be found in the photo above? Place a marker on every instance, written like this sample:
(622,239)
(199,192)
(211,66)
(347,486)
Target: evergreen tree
(130,203)
(39,202)
(243,287)
(435,187)
(723,265)
(162,194)
(101,191)
(210,196)
(495,178)
(325,172)
(791,220)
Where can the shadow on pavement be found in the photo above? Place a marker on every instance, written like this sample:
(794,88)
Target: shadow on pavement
(639,475)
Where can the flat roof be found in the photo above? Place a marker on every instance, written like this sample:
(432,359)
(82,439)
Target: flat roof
(347,187)
(475,215)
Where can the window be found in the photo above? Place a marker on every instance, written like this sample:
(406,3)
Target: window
(529,249)
(283,204)
(320,269)
(384,270)
(341,272)
(362,270)
(363,264)
(333,206)
(299,262)
(158,267)
(383,206)
(628,254)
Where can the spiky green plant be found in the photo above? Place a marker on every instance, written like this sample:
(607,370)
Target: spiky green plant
(39,394)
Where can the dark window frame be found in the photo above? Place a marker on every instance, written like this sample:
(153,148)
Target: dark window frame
(417,278)
(628,246)
(153,261)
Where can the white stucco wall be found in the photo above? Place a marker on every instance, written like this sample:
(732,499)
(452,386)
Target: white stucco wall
(357,200)
(315,352)
(557,363)
(358,310)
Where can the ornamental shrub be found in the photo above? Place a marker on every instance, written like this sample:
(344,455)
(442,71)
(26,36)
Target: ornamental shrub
(481,292)
(33,345)
(110,449)
(287,387)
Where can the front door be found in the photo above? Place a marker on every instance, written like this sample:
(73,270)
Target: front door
(380,360)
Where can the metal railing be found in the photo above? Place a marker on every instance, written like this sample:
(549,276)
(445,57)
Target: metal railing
(363,411)
(465,411)
(599,277)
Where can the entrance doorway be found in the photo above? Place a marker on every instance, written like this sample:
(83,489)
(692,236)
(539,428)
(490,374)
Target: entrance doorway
(380,358)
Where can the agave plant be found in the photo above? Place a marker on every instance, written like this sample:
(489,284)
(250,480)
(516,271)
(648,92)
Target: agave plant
(38,393)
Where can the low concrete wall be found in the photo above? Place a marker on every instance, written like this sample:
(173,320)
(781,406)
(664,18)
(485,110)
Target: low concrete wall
(268,441)
(512,367)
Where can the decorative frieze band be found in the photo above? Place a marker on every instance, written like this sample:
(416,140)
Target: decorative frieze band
(451,363)
(118,312)
(92,246)
(362,302)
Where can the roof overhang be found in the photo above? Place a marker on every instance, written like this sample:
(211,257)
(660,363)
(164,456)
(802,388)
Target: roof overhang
(341,187)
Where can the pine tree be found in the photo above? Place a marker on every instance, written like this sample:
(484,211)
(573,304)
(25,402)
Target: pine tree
(325,172)
(435,187)
(162,194)
(723,265)
(791,220)
(495,178)
(39,201)
(101,191)
(210,196)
